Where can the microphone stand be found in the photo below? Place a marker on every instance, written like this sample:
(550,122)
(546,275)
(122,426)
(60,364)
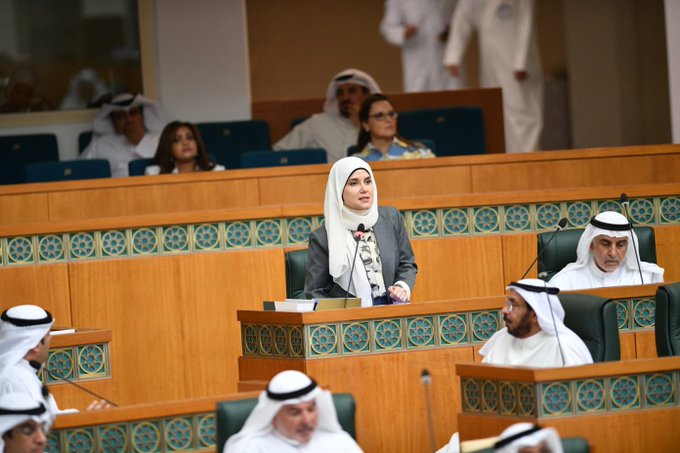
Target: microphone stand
(358,235)
(426,379)
(68,381)
(560,225)
(625,205)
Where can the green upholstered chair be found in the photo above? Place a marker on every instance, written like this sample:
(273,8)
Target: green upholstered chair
(569,445)
(562,249)
(667,322)
(16,151)
(67,170)
(296,267)
(231,415)
(456,130)
(226,140)
(284,158)
(593,319)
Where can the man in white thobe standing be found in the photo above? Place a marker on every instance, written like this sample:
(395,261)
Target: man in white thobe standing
(421,29)
(509,59)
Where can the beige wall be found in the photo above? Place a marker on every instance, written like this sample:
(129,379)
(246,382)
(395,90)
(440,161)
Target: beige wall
(612,52)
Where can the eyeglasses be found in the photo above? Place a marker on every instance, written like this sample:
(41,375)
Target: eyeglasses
(30,428)
(510,306)
(384,116)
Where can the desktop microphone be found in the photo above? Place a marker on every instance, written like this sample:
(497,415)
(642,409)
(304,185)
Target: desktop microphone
(426,379)
(358,236)
(560,226)
(625,205)
(37,365)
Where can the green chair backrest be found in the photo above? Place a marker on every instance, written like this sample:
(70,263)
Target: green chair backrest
(562,249)
(594,320)
(569,445)
(232,415)
(296,267)
(667,320)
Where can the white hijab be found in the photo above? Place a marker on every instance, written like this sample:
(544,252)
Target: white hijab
(524,435)
(347,76)
(340,222)
(21,329)
(301,389)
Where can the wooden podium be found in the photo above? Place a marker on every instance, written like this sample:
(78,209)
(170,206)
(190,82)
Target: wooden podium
(627,406)
(377,354)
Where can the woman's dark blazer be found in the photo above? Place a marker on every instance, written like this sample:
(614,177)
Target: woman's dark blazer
(396,255)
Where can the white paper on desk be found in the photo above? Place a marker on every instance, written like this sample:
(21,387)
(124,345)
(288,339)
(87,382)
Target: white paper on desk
(62,331)
(295,305)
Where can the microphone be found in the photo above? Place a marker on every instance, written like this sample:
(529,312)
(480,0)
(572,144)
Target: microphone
(358,236)
(426,379)
(37,365)
(560,226)
(552,315)
(625,206)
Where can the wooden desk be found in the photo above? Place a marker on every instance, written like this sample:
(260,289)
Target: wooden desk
(83,357)
(184,425)
(627,406)
(168,195)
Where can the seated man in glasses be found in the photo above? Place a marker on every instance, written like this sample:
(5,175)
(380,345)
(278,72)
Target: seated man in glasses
(534,334)
(24,424)
(335,129)
(378,136)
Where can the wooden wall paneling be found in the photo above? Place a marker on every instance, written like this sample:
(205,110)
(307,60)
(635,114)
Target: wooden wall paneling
(460,267)
(139,301)
(43,285)
(667,246)
(390,394)
(519,251)
(645,345)
(587,172)
(153,199)
(212,287)
(425,181)
(173,319)
(23,208)
(70,397)
(293,189)
(627,346)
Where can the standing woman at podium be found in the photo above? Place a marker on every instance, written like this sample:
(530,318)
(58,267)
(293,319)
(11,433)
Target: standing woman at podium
(377,264)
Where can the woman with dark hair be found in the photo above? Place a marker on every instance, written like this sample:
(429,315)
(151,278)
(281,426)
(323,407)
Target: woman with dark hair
(378,136)
(180,150)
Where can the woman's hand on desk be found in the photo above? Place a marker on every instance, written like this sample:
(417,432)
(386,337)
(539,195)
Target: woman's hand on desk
(397,294)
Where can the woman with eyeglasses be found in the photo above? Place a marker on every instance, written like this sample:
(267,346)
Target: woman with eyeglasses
(378,136)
